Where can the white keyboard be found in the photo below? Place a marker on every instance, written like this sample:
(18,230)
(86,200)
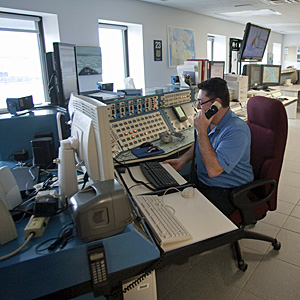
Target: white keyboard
(166,227)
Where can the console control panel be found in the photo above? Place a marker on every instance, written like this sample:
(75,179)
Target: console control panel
(132,107)
(176,98)
(134,131)
(189,110)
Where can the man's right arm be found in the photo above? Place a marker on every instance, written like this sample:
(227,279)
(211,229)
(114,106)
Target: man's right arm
(178,163)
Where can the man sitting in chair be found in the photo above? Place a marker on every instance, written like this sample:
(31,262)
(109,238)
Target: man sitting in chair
(222,147)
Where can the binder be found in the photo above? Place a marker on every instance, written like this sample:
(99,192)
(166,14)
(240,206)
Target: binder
(204,72)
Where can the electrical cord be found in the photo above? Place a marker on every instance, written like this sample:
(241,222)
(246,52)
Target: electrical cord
(63,237)
(31,235)
(131,176)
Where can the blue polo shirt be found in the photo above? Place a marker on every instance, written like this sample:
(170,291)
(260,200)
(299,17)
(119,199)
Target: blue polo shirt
(231,141)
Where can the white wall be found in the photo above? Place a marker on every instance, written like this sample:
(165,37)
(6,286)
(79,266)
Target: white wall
(290,40)
(78,19)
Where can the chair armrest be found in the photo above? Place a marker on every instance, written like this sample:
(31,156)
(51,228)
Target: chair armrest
(240,197)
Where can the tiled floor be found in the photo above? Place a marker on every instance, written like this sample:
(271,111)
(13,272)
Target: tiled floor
(271,274)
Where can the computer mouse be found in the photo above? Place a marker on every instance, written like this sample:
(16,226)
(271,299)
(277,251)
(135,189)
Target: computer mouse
(188,192)
(152,149)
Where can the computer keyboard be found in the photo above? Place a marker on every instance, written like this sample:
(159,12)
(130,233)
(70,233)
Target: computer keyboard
(165,226)
(157,175)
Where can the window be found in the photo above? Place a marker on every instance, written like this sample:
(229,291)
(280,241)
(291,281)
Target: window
(276,54)
(114,52)
(21,64)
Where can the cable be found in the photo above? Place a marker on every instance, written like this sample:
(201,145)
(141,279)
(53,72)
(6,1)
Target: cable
(31,235)
(131,176)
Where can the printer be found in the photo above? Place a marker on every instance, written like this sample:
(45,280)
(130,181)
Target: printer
(101,210)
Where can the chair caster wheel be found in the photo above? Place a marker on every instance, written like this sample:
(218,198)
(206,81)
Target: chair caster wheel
(242,266)
(276,245)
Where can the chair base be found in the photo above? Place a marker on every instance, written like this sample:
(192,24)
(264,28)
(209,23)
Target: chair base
(255,236)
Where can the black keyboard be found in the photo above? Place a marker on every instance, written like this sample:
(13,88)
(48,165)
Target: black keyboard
(157,175)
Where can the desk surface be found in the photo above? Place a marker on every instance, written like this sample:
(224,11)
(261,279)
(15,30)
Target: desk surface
(200,217)
(29,275)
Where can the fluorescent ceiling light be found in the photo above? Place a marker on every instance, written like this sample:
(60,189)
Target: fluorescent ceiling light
(262,12)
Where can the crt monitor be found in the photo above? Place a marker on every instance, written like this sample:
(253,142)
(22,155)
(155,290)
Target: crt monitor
(254,43)
(66,71)
(270,75)
(253,71)
(216,69)
(90,126)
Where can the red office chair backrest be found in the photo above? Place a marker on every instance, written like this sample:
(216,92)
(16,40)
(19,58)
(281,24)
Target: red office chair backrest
(267,120)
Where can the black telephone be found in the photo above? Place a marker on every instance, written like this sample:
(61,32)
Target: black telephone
(212,110)
(98,269)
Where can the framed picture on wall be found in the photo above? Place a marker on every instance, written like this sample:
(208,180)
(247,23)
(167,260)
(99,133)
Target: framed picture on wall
(181,45)
(89,61)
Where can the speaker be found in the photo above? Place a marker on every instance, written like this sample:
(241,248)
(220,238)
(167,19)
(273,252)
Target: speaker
(9,190)
(43,151)
(8,230)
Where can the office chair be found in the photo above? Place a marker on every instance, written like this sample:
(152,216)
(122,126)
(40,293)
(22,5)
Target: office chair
(267,121)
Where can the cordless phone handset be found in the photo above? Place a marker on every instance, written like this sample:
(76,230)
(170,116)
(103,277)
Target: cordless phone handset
(213,109)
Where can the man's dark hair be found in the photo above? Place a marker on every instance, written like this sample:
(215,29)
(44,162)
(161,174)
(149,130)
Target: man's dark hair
(216,88)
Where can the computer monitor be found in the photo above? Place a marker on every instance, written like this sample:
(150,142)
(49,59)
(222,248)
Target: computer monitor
(90,127)
(254,43)
(66,71)
(216,69)
(254,72)
(270,75)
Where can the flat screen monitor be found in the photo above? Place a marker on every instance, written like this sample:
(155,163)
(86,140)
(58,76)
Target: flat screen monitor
(216,69)
(253,71)
(270,75)
(90,127)
(66,71)
(254,43)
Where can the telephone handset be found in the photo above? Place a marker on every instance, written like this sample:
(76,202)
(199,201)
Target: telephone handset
(97,262)
(213,109)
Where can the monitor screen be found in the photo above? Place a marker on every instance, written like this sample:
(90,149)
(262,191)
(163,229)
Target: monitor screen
(216,69)
(66,71)
(90,127)
(254,43)
(271,75)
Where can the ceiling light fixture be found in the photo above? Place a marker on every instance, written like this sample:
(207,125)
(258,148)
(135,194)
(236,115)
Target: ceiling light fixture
(261,12)
(279,2)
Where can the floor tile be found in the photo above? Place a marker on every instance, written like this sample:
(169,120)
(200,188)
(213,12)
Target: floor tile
(169,276)
(256,245)
(197,285)
(275,279)
(290,178)
(289,193)
(296,212)
(290,247)
(292,166)
(292,224)
(221,264)
(247,296)
(275,218)
(284,207)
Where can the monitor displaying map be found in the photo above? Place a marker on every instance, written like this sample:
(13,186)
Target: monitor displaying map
(254,43)
(271,74)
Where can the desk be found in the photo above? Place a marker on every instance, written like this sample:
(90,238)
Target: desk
(208,226)
(64,273)
(290,104)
